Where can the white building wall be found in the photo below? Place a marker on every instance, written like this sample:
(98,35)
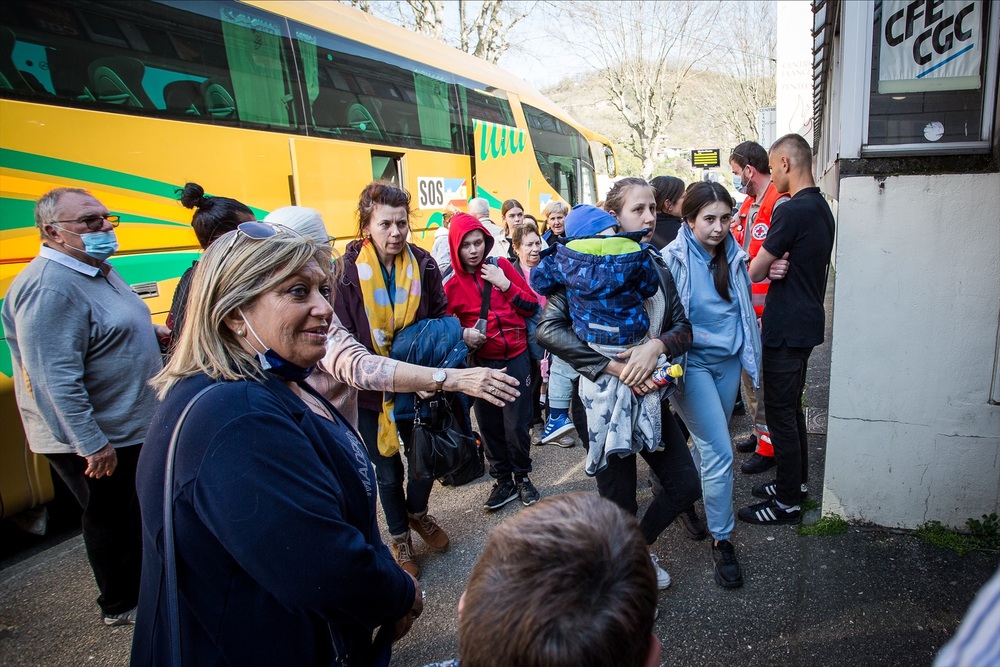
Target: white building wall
(794,78)
(912,435)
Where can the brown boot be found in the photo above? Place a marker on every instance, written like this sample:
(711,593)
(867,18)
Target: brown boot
(427,528)
(402,551)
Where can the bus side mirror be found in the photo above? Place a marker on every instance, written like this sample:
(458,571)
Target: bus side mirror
(609,159)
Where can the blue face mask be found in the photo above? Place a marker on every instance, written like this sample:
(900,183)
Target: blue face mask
(274,363)
(99,245)
(738,183)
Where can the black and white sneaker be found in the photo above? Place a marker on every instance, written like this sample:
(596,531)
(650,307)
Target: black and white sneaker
(503,492)
(528,493)
(768,513)
(769,490)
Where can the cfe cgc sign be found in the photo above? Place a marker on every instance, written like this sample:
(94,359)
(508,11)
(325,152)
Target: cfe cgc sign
(929,45)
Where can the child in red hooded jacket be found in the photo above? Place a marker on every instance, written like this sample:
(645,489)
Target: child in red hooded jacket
(504,346)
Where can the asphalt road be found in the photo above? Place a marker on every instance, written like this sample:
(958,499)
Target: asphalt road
(868,597)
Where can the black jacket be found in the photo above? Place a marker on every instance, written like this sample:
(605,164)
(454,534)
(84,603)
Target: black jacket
(555,329)
(666,230)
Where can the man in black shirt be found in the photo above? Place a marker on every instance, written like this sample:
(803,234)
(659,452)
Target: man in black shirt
(797,252)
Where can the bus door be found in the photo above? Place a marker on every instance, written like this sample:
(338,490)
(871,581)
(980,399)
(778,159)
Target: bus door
(330,175)
(501,157)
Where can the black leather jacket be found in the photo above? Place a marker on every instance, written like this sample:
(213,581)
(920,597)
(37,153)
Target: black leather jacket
(555,328)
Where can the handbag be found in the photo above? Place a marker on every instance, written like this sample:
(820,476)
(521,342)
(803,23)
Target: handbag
(472,470)
(438,447)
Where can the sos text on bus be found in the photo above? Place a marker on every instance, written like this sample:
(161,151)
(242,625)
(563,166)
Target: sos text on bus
(943,32)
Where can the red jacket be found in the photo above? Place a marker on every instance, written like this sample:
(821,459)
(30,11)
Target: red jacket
(506,334)
(758,232)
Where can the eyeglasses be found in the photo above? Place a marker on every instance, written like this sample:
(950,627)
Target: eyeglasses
(256,230)
(94,222)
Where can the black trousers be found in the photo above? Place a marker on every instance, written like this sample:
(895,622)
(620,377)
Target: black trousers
(505,430)
(112,528)
(784,370)
(673,467)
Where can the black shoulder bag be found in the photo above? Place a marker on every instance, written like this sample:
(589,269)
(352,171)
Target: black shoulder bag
(439,447)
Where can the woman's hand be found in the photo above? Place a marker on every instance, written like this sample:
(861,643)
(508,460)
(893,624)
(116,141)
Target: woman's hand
(495,275)
(489,384)
(641,362)
(403,625)
(473,338)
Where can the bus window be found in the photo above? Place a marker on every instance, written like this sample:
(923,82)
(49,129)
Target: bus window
(482,106)
(563,155)
(359,93)
(385,167)
(208,60)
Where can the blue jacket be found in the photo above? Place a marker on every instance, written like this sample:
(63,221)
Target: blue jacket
(676,256)
(436,343)
(279,558)
(606,292)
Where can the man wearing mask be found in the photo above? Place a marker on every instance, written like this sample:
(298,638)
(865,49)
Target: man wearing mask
(752,176)
(83,349)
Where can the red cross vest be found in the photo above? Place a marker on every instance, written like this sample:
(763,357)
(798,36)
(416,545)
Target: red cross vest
(758,232)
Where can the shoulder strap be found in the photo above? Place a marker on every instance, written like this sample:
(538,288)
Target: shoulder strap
(487,289)
(169,562)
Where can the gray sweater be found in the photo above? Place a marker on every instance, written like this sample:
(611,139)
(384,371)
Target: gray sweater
(83,348)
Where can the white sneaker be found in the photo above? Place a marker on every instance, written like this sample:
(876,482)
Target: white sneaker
(662,578)
(124,618)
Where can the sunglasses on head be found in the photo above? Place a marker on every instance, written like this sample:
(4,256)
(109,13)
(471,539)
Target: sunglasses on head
(256,230)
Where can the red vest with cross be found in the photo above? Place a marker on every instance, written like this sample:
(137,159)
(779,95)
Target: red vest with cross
(757,228)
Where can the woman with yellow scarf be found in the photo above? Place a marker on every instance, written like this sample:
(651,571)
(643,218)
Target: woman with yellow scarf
(387,285)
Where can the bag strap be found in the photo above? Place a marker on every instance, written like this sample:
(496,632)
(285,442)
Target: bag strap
(484,309)
(169,561)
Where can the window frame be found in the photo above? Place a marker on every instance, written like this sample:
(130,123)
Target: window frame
(863,14)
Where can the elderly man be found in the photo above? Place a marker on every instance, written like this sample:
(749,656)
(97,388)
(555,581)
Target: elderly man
(83,348)
(480,208)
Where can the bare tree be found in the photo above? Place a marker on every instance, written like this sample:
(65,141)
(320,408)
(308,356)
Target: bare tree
(482,26)
(751,39)
(645,52)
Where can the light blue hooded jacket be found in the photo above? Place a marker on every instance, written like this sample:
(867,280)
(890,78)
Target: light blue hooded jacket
(676,256)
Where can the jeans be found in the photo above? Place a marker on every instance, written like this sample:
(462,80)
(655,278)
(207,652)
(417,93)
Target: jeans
(784,382)
(112,527)
(561,377)
(505,430)
(389,475)
(705,403)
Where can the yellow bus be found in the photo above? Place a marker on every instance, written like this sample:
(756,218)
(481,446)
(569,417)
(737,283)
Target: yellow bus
(271,103)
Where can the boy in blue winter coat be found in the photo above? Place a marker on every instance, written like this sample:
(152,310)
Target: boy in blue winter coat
(608,277)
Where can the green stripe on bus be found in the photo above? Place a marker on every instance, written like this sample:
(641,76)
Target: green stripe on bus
(494,202)
(41,164)
(6,363)
(15,213)
(134,269)
(149,268)
(20,213)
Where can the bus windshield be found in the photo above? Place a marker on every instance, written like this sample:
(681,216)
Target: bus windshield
(563,155)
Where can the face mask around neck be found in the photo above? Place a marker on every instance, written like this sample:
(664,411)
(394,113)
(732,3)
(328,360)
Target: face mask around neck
(274,363)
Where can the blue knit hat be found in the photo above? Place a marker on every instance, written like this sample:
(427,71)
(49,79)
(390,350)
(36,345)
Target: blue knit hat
(587,220)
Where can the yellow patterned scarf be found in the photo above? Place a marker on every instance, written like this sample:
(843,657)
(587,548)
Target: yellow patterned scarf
(388,314)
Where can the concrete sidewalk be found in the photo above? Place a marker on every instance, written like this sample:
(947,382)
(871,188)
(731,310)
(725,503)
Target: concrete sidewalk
(868,597)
